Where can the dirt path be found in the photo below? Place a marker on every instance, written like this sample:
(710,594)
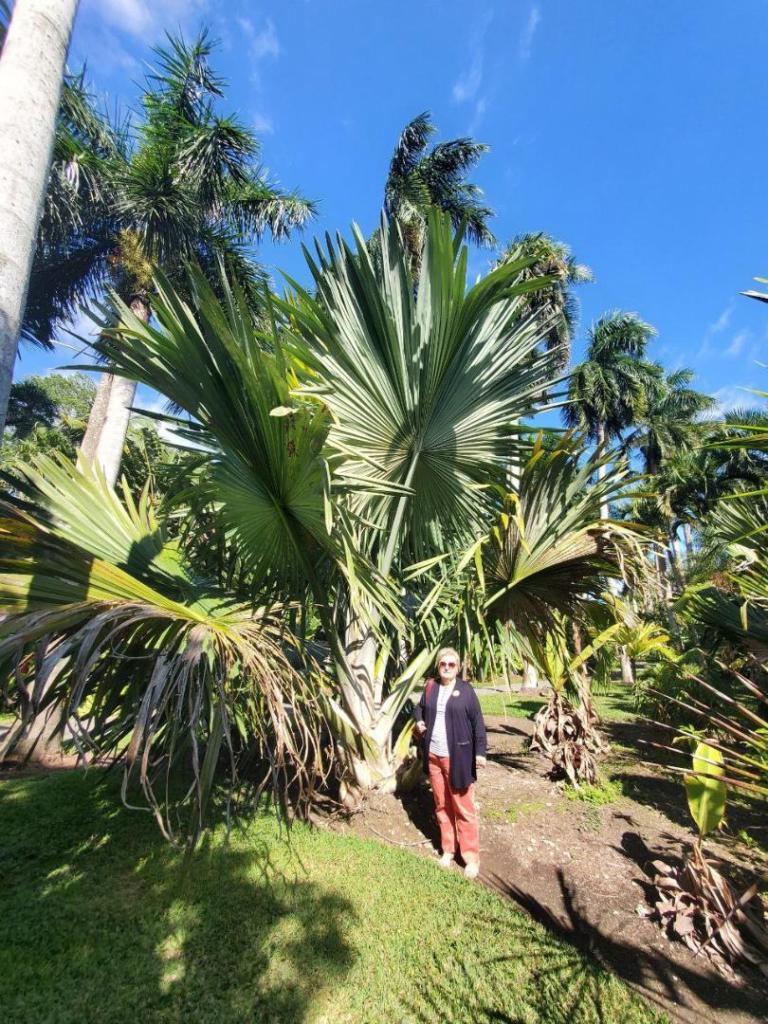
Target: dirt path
(578,868)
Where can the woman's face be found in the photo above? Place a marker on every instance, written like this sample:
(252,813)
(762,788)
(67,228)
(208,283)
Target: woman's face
(448,667)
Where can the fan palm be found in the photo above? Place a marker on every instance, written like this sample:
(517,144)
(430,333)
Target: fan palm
(183,184)
(545,561)
(420,178)
(361,441)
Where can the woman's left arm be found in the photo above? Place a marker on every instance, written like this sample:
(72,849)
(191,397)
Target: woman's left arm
(478,726)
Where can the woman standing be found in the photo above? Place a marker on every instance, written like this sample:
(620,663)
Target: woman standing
(449,719)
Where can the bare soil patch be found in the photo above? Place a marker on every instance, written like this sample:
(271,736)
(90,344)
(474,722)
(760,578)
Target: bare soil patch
(578,867)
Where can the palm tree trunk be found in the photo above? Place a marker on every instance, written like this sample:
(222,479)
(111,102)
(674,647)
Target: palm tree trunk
(31,75)
(627,668)
(531,678)
(602,469)
(111,412)
(688,535)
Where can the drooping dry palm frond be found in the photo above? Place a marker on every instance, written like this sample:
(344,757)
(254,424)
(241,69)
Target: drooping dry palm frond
(146,662)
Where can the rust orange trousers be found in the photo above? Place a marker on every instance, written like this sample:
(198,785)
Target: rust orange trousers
(455,811)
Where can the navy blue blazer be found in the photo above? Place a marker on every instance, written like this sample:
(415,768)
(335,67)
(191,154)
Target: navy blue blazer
(464,727)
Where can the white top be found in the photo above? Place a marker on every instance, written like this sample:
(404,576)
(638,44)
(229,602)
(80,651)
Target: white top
(439,742)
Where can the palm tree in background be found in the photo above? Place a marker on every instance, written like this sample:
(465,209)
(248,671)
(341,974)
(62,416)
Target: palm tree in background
(608,390)
(670,420)
(34,48)
(420,178)
(183,185)
(557,301)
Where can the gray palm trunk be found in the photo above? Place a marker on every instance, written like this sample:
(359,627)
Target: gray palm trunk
(31,76)
(110,415)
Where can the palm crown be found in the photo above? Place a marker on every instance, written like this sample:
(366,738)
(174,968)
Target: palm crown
(184,183)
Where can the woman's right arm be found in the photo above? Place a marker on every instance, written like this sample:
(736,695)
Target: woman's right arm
(419,712)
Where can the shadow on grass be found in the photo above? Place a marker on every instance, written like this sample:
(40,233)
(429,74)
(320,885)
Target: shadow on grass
(563,982)
(104,921)
(663,981)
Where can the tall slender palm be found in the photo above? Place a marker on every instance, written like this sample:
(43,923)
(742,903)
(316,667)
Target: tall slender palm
(555,259)
(669,420)
(183,184)
(420,178)
(608,390)
(34,50)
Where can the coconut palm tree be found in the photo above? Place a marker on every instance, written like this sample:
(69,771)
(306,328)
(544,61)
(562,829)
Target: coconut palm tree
(358,440)
(420,178)
(555,259)
(122,200)
(34,50)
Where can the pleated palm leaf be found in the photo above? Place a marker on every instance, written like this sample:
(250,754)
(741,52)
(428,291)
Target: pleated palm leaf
(364,439)
(106,621)
(736,604)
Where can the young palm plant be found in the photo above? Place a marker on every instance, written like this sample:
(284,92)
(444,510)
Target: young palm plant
(542,565)
(356,436)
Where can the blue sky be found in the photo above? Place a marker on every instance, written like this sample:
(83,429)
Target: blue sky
(631,131)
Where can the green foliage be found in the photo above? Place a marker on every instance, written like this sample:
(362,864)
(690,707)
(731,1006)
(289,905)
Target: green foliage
(705,788)
(608,391)
(91,578)
(251,928)
(550,550)
(183,182)
(552,259)
(606,792)
(420,180)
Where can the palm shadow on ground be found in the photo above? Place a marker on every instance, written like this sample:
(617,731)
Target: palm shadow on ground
(217,935)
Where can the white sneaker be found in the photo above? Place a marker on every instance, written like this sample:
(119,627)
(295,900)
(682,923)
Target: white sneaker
(446,860)
(472,870)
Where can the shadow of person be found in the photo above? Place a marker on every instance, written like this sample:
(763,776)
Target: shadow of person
(104,918)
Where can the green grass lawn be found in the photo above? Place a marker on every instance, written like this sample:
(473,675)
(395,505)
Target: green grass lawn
(103,921)
(613,706)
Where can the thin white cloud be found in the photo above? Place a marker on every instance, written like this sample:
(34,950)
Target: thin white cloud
(144,19)
(738,342)
(467,85)
(528,34)
(722,321)
(262,42)
(262,124)
(729,397)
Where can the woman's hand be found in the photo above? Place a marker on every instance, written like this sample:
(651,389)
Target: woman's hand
(480,761)
(421,728)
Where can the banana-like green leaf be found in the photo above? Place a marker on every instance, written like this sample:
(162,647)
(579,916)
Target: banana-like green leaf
(705,789)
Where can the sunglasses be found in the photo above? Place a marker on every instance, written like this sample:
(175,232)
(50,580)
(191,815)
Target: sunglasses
(447,664)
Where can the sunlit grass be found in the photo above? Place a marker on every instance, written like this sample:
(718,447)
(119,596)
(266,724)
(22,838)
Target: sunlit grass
(613,706)
(103,921)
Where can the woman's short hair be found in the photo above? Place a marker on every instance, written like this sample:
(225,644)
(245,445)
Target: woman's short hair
(447,650)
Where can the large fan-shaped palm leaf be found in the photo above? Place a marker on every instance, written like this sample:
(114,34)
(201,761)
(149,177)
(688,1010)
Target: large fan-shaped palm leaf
(403,408)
